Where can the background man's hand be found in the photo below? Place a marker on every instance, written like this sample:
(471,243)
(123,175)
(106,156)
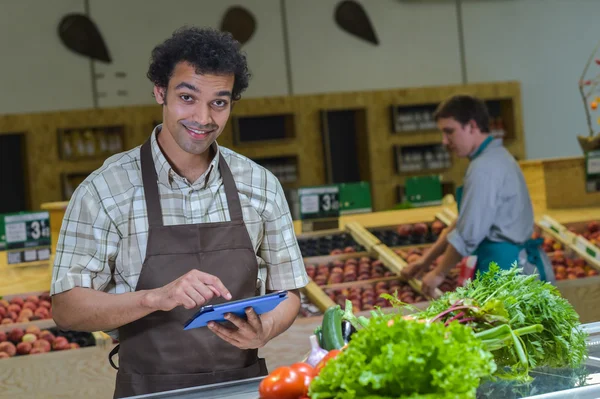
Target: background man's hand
(193,289)
(412,269)
(252,333)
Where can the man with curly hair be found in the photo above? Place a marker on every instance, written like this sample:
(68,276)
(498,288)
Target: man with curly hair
(177,223)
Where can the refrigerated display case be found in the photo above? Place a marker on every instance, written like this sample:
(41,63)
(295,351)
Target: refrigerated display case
(567,383)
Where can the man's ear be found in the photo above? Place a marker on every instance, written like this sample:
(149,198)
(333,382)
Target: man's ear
(160,94)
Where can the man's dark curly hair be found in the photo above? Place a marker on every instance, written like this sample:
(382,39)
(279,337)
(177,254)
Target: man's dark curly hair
(209,50)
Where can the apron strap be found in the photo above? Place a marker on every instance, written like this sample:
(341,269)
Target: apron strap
(113,352)
(150,180)
(532,247)
(231,191)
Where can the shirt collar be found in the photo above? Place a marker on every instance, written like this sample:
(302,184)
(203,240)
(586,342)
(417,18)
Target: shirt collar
(169,177)
(489,142)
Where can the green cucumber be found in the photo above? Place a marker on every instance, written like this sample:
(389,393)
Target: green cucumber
(332,329)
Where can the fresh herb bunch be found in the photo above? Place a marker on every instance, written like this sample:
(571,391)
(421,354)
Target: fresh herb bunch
(521,302)
(392,357)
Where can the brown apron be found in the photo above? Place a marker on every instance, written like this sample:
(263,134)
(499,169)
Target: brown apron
(155,353)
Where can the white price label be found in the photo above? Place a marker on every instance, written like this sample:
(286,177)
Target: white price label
(43,254)
(30,255)
(593,166)
(14,257)
(309,204)
(16,232)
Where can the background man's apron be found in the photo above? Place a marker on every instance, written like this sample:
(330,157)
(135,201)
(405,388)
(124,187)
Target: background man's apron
(155,353)
(504,253)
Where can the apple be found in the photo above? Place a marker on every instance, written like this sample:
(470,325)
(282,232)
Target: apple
(45,304)
(15,335)
(43,345)
(4,303)
(37,351)
(404,230)
(29,337)
(420,229)
(22,319)
(8,347)
(30,305)
(17,301)
(3,336)
(33,330)
(42,312)
(33,299)
(4,355)
(7,321)
(27,313)
(14,308)
(23,348)
(593,227)
(60,343)
(74,345)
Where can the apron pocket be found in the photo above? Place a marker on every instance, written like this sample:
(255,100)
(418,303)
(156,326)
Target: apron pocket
(139,384)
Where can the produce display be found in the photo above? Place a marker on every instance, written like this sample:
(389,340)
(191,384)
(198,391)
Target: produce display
(368,296)
(32,340)
(570,267)
(503,324)
(566,264)
(410,234)
(328,245)
(24,310)
(401,235)
(345,271)
(591,232)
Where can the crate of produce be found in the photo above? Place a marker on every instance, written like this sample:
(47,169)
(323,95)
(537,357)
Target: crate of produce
(346,270)
(17,341)
(587,236)
(409,233)
(26,308)
(325,244)
(562,238)
(367,295)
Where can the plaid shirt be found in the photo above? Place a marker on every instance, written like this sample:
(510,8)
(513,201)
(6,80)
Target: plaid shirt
(102,242)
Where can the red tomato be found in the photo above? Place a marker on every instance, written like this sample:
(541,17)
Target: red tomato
(282,383)
(306,371)
(332,353)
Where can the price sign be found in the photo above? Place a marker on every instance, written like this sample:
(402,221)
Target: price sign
(26,235)
(319,202)
(592,171)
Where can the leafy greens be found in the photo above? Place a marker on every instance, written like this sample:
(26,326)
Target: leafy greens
(522,302)
(392,357)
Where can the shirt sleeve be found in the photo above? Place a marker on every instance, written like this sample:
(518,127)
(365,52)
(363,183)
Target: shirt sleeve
(477,211)
(87,245)
(279,248)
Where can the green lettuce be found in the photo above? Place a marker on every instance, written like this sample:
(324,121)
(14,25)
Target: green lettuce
(397,358)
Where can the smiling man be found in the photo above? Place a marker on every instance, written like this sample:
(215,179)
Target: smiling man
(177,223)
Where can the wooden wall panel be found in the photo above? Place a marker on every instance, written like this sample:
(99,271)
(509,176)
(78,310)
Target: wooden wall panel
(565,184)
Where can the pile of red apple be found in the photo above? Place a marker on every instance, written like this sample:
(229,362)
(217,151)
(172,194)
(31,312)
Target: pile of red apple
(367,296)
(24,310)
(419,229)
(31,341)
(353,269)
(347,250)
(566,268)
(550,244)
(450,282)
(592,233)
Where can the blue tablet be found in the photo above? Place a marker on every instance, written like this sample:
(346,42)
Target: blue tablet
(260,304)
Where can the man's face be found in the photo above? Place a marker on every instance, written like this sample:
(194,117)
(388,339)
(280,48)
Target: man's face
(197,107)
(459,139)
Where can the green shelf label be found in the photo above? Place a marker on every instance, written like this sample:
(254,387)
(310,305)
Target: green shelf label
(590,252)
